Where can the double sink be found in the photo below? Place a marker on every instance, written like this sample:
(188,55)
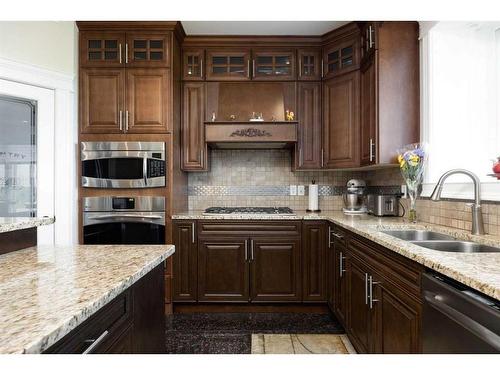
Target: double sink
(440,242)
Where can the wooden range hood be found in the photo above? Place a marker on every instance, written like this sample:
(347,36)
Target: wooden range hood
(232,104)
(251,135)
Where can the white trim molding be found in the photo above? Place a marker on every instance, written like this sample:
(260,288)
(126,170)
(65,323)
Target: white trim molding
(65,140)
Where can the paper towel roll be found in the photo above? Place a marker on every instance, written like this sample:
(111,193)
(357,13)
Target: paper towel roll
(313,197)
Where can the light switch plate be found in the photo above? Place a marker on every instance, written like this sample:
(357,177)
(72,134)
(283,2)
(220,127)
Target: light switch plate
(404,191)
(293,189)
(301,190)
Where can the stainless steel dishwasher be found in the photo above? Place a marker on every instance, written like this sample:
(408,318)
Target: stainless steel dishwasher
(457,319)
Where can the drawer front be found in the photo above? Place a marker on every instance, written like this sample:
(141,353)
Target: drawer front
(403,273)
(250,228)
(99,330)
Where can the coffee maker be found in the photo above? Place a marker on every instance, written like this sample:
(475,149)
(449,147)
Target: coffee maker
(355,197)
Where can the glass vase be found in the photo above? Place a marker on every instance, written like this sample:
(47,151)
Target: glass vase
(412,209)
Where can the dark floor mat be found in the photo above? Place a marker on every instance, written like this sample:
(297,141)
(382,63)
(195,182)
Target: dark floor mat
(220,333)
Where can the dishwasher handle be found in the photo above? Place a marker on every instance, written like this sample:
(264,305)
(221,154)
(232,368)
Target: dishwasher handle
(477,329)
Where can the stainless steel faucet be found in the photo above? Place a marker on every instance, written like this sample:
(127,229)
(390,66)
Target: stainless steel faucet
(477,215)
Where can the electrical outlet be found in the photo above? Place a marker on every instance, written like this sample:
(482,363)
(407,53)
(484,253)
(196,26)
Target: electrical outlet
(404,191)
(301,190)
(293,189)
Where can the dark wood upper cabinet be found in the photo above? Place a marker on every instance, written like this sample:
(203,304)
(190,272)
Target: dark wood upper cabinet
(185,261)
(148,50)
(314,235)
(194,148)
(102,49)
(223,269)
(148,100)
(341,56)
(193,61)
(390,92)
(228,65)
(273,65)
(341,121)
(309,61)
(309,142)
(368,112)
(102,100)
(275,273)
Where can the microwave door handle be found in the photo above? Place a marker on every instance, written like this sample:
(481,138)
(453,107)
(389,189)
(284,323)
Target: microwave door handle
(145,169)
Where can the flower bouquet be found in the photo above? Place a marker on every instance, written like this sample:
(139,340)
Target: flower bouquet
(412,159)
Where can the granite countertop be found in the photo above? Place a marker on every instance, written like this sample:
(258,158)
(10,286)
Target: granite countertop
(9,224)
(46,291)
(480,271)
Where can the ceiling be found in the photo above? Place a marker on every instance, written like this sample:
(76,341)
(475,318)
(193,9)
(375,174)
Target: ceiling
(260,27)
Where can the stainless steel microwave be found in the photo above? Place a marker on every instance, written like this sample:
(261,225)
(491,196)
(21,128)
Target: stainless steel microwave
(123,164)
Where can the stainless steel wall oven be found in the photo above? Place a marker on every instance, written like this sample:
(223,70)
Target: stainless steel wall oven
(123,164)
(123,220)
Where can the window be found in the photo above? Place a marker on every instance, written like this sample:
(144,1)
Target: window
(17,157)
(461,104)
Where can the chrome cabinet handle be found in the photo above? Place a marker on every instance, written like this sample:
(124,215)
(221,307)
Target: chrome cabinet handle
(126,121)
(341,264)
(246,250)
(372,154)
(322,69)
(366,289)
(370,36)
(300,67)
(248,68)
(253,67)
(339,236)
(329,237)
(371,282)
(201,68)
(120,118)
(126,53)
(251,250)
(120,52)
(322,157)
(193,238)
(95,342)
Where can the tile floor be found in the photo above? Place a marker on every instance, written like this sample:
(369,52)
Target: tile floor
(301,344)
(231,333)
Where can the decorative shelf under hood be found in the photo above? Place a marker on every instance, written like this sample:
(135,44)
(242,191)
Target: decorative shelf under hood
(251,134)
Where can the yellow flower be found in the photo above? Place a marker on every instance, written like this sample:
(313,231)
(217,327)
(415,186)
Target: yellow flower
(402,163)
(414,159)
(400,158)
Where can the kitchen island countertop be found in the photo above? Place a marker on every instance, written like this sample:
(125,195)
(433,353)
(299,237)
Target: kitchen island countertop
(47,291)
(10,224)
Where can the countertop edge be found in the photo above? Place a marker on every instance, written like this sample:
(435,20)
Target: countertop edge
(25,223)
(59,332)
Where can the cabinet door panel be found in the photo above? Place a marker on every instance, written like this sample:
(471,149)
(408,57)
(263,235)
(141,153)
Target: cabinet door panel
(308,150)
(313,261)
(148,50)
(359,312)
(193,60)
(369,112)
(194,155)
(341,56)
(341,121)
(185,262)
(397,322)
(340,282)
(102,49)
(273,65)
(102,95)
(309,65)
(222,270)
(148,100)
(228,65)
(275,269)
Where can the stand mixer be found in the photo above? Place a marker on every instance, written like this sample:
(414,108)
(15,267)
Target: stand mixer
(354,197)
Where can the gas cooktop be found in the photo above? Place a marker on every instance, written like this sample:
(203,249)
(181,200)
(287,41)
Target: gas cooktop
(248,210)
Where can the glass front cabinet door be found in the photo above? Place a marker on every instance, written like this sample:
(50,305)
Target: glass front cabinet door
(102,49)
(341,57)
(309,64)
(273,65)
(228,65)
(147,50)
(193,61)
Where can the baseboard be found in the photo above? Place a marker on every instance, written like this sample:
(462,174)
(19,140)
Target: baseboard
(247,307)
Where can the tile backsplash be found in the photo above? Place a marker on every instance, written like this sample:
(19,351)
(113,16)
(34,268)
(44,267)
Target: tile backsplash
(263,177)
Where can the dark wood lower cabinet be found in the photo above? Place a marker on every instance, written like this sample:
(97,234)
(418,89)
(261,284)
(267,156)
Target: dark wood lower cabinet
(185,262)
(314,240)
(340,291)
(223,269)
(359,315)
(275,274)
(133,322)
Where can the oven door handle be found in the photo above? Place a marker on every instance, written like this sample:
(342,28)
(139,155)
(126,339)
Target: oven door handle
(89,219)
(128,216)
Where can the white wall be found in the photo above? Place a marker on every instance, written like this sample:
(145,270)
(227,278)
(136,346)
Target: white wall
(48,45)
